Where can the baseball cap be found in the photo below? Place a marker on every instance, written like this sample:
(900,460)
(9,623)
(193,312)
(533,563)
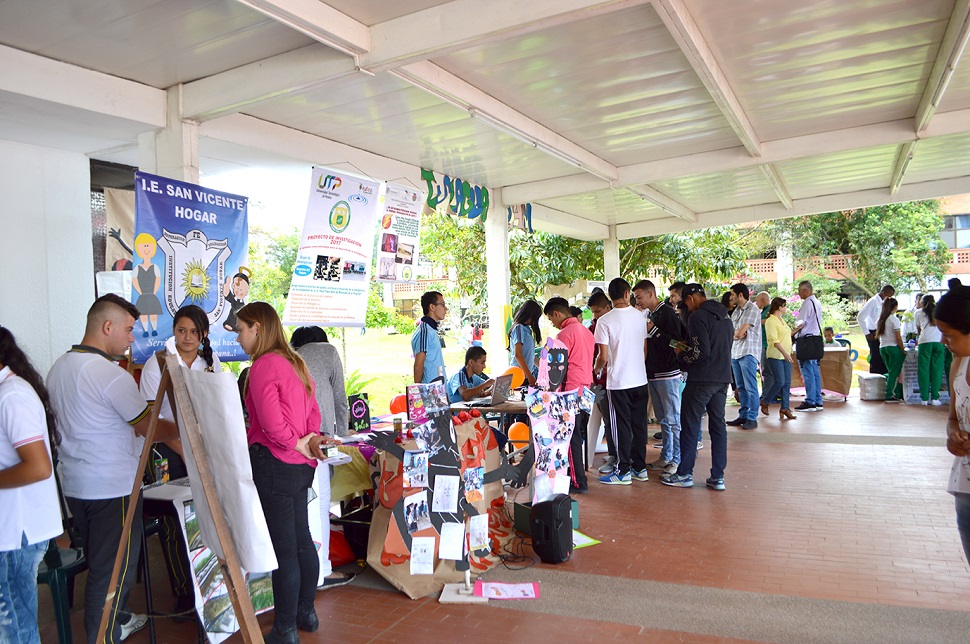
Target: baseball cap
(692,289)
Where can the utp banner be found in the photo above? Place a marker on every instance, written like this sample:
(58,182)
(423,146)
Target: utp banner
(190,244)
(331,277)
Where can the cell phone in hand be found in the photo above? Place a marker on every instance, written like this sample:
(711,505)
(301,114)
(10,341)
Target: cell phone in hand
(675,344)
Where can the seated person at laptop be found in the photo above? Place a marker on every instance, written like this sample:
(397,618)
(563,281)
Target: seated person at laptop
(469,382)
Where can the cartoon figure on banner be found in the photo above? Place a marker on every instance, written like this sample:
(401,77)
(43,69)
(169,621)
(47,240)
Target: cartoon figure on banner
(235,291)
(190,261)
(553,360)
(146,282)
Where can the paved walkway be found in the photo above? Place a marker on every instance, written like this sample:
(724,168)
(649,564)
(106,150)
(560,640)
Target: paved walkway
(833,527)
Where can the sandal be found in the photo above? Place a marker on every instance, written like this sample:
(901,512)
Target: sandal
(342,579)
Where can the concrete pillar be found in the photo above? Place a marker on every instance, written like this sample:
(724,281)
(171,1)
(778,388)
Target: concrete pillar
(611,256)
(174,151)
(785,267)
(498,277)
(46,256)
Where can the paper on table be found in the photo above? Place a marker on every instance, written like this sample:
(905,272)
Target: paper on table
(542,487)
(498,590)
(560,484)
(452,541)
(422,556)
(356,438)
(445,494)
(478,532)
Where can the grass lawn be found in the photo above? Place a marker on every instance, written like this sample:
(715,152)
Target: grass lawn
(388,360)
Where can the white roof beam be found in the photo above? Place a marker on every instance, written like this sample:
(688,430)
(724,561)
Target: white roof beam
(951,49)
(665,203)
(777,184)
(257,134)
(800,147)
(809,206)
(903,159)
(319,21)
(684,31)
(503,118)
(551,220)
(465,23)
(232,90)
(45,79)
(387,45)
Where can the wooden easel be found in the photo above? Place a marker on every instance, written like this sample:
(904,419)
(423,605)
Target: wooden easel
(173,385)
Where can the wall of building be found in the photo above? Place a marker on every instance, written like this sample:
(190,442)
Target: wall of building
(46,274)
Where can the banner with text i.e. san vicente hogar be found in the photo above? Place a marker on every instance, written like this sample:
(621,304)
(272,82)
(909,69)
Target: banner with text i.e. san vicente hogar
(191,245)
(331,277)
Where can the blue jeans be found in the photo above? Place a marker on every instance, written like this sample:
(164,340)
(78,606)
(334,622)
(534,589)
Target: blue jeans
(698,397)
(813,381)
(18,593)
(665,395)
(780,371)
(282,489)
(963,521)
(745,371)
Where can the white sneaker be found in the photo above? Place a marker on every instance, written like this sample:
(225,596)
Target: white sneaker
(937,403)
(671,468)
(135,624)
(700,445)
(607,465)
(925,403)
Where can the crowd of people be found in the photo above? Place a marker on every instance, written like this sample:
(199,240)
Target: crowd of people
(682,352)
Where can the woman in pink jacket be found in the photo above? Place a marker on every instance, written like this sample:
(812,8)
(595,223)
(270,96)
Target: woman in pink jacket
(283,415)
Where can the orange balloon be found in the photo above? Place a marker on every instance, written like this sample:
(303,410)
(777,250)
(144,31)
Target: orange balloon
(399,404)
(519,434)
(518,376)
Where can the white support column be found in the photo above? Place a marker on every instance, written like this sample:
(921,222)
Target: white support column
(497,280)
(784,267)
(174,151)
(611,256)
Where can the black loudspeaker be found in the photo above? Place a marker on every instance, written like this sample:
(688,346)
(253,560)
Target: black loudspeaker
(552,529)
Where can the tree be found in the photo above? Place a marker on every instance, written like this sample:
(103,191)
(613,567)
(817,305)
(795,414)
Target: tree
(898,244)
(272,255)
(707,256)
(540,259)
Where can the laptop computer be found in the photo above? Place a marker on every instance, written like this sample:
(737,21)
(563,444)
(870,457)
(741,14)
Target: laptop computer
(501,391)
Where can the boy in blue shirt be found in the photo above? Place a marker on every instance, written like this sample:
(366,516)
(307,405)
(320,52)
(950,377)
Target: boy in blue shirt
(429,363)
(469,382)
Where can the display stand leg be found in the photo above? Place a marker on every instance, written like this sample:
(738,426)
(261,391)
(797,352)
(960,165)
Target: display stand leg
(461,593)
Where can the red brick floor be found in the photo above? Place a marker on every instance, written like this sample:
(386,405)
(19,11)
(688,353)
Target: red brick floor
(846,504)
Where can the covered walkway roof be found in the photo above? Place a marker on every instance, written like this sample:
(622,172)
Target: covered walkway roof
(650,116)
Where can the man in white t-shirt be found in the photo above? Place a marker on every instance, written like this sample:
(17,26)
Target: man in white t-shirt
(103,419)
(621,337)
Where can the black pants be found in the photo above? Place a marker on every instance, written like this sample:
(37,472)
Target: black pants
(628,418)
(697,398)
(876,365)
(577,453)
(100,523)
(282,489)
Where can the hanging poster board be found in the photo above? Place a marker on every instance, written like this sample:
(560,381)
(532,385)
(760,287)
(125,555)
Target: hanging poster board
(189,243)
(331,277)
(399,235)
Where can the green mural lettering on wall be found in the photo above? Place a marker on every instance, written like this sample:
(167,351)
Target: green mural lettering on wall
(455,197)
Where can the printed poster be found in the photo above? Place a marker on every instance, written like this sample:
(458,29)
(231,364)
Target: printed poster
(331,277)
(398,235)
(190,245)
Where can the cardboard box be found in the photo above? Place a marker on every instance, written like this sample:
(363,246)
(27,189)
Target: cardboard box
(872,386)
